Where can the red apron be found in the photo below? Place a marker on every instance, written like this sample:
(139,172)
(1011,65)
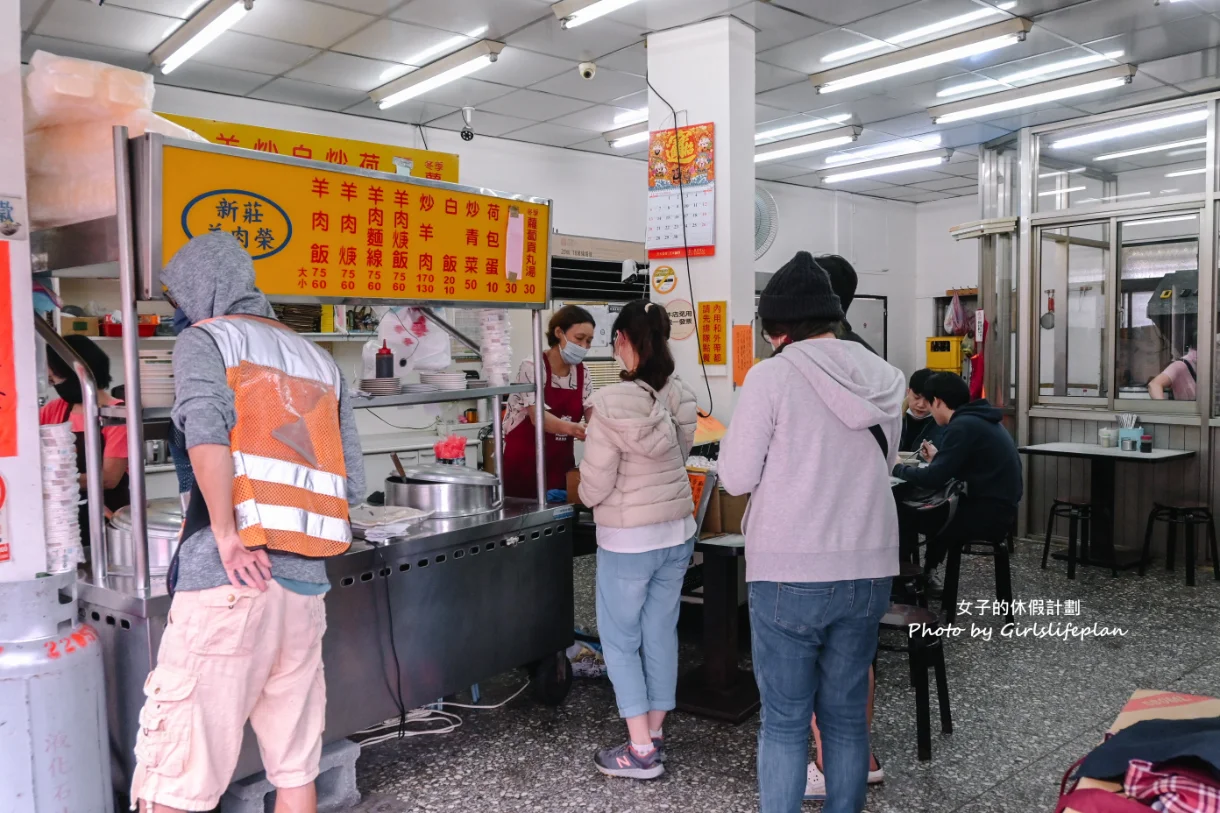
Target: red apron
(560,456)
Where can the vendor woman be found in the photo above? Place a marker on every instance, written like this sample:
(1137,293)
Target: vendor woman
(566,393)
(69,408)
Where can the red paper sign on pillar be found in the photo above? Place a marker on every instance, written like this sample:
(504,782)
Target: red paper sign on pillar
(8,377)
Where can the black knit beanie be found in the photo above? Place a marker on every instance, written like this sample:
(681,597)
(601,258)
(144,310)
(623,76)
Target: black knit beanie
(842,278)
(799,291)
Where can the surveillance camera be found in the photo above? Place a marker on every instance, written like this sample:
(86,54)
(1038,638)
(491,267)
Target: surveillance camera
(467,134)
(468,120)
(587,70)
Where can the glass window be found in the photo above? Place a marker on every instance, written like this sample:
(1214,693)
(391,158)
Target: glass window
(1071,313)
(1157,307)
(1128,160)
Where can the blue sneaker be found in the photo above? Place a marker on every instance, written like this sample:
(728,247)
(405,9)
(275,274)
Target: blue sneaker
(624,761)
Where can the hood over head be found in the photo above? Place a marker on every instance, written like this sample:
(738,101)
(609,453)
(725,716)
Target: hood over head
(645,425)
(843,278)
(861,389)
(980,408)
(212,275)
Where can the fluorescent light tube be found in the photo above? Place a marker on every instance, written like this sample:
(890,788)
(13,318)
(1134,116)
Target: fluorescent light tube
(855,50)
(1020,76)
(924,55)
(428,54)
(626,136)
(627,141)
(1062,191)
(887,167)
(1182,172)
(807,144)
(198,32)
(800,127)
(1115,197)
(1148,126)
(889,149)
(573,13)
(1191,151)
(631,117)
(1041,93)
(915,33)
(436,74)
(1062,172)
(1174,219)
(1110,156)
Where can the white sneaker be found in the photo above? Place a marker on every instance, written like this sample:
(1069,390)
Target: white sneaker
(815,781)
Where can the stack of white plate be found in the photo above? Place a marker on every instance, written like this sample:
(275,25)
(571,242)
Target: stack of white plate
(156,378)
(495,347)
(477,384)
(60,495)
(421,388)
(381,386)
(444,381)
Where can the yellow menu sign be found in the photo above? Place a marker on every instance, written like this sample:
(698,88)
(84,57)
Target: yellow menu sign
(338,235)
(436,166)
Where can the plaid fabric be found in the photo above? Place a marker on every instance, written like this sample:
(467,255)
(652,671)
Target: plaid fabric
(1172,790)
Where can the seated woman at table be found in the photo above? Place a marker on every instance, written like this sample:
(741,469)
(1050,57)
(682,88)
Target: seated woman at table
(633,476)
(918,424)
(1180,379)
(812,440)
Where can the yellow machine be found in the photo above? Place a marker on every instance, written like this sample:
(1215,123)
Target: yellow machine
(946,354)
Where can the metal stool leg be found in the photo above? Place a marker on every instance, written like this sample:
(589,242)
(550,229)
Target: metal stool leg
(1171,544)
(1211,543)
(942,689)
(923,710)
(1073,531)
(1003,580)
(1190,550)
(1050,526)
(1146,556)
(1086,520)
(953,569)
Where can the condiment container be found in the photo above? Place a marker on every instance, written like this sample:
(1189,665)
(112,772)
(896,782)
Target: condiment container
(1146,443)
(385,362)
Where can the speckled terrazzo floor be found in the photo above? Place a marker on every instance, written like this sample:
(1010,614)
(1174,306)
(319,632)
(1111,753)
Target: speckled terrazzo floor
(1023,711)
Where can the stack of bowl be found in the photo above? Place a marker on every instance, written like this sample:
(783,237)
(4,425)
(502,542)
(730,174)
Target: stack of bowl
(156,378)
(60,496)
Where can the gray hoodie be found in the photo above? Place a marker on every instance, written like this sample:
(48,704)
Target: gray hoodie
(799,443)
(212,275)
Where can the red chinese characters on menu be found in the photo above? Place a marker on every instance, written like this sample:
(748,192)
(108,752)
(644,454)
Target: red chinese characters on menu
(370,239)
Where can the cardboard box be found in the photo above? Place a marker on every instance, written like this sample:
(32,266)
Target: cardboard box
(78,325)
(574,486)
(1148,704)
(712,524)
(732,512)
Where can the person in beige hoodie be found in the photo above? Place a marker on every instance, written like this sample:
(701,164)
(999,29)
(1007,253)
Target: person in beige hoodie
(633,476)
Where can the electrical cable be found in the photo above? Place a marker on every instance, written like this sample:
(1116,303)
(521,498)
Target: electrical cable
(399,702)
(432,425)
(686,246)
(422,136)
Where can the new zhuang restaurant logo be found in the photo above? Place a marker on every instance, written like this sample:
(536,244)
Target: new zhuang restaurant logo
(260,224)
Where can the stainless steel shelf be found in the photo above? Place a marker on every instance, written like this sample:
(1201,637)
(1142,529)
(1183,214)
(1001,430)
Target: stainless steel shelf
(118,414)
(313,337)
(414,398)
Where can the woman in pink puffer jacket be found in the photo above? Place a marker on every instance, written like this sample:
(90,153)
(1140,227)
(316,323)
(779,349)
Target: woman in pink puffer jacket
(633,476)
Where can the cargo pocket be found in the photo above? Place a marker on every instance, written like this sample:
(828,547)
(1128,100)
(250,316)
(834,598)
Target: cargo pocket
(225,620)
(163,743)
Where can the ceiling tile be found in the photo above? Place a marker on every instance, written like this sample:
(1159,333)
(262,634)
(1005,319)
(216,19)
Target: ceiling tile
(501,17)
(213,78)
(344,71)
(409,112)
(1179,37)
(108,26)
(182,9)
(911,125)
(1043,115)
(909,176)
(968,135)
(805,55)
(1037,42)
(599,117)
(598,145)
(377,8)
(556,135)
(465,93)
(1184,68)
(30,10)
(769,77)
(796,98)
(924,196)
(657,15)
(606,86)
(940,185)
(532,105)
(483,124)
(308,94)
(632,59)
(775,171)
(124,59)
(1106,18)
(588,42)
(521,68)
(1104,104)
(871,186)
(924,13)
(246,52)
(400,42)
(837,12)
(764,114)
(301,21)
(776,26)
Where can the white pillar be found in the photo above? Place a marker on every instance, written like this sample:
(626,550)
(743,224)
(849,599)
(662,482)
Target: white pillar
(21,525)
(706,71)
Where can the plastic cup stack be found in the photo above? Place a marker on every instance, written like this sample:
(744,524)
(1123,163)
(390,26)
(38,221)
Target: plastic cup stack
(496,348)
(60,495)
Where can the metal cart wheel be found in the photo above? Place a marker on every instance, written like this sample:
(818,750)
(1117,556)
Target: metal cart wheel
(552,679)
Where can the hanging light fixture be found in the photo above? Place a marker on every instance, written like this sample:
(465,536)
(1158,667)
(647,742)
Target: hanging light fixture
(215,18)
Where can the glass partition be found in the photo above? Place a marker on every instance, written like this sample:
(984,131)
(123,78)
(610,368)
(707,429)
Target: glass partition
(1156,308)
(1127,160)
(1071,312)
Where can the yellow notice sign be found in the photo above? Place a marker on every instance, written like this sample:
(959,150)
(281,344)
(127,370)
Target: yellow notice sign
(338,235)
(436,166)
(713,330)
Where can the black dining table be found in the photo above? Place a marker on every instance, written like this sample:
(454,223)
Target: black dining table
(1103,461)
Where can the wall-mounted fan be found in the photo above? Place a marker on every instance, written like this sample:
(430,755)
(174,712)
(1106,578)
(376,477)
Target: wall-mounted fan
(766,221)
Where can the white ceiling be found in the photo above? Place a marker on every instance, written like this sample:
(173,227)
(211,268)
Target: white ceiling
(328,55)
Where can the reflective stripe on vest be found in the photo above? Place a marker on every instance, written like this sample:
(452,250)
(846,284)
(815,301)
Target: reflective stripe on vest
(289,477)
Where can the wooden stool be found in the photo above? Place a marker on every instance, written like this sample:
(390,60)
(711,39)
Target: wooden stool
(923,652)
(1188,515)
(1079,514)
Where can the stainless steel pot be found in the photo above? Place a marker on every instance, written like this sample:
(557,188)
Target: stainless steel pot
(164,526)
(446,491)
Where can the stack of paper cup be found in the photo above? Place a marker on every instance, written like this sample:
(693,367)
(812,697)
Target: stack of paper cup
(496,348)
(60,495)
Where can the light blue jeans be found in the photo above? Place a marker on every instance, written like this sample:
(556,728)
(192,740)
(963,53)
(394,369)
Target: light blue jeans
(813,644)
(637,620)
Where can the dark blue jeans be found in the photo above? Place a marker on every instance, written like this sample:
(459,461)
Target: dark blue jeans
(813,643)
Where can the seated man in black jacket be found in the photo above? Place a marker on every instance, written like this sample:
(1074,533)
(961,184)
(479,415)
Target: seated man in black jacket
(974,449)
(918,423)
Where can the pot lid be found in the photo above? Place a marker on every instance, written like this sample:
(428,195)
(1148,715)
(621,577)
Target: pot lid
(456,475)
(164,517)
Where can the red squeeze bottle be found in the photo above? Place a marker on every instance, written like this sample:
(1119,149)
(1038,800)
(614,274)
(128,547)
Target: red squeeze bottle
(385,362)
